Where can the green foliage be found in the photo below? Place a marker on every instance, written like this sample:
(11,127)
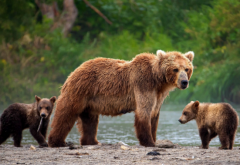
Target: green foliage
(15,16)
(137,17)
(37,64)
(126,46)
(216,77)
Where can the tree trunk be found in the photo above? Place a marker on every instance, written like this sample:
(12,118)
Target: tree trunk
(50,11)
(64,20)
(69,16)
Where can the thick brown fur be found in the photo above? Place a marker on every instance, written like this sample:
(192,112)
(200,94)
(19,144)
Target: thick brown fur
(115,87)
(19,116)
(212,120)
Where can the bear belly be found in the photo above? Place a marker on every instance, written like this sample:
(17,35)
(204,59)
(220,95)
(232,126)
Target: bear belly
(111,105)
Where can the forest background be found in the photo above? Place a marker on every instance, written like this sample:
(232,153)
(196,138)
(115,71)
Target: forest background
(43,41)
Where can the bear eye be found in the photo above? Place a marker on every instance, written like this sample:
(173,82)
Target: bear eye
(185,113)
(175,70)
(186,70)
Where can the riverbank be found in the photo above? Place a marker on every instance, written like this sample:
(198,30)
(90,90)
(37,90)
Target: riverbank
(116,154)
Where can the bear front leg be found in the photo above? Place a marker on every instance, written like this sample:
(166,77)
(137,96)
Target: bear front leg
(145,104)
(154,125)
(143,130)
(44,128)
(204,137)
(87,125)
(38,136)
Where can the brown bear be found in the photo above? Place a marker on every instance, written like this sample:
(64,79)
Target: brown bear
(115,87)
(212,120)
(19,116)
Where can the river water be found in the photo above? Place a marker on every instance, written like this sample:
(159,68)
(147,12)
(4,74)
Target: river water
(115,129)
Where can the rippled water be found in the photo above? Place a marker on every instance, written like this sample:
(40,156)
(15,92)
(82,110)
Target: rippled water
(115,129)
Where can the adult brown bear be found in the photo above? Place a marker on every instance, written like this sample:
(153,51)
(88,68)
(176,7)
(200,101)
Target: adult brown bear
(113,87)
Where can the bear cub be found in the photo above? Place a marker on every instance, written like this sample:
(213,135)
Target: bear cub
(19,116)
(212,120)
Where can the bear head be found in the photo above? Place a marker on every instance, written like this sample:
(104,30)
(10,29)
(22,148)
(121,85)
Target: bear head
(176,67)
(45,106)
(189,112)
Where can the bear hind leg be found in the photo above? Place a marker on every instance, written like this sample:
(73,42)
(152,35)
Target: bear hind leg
(232,136)
(212,135)
(231,141)
(63,121)
(224,139)
(87,126)
(62,125)
(4,134)
(17,137)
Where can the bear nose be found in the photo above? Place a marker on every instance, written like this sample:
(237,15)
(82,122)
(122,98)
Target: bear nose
(43,115)
(180,120)
(184,83)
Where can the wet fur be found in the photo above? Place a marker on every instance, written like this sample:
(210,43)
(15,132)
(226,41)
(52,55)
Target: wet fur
(115,87)
(19,116)
(212,120)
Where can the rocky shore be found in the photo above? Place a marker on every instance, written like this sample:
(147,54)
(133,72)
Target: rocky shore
(164,153)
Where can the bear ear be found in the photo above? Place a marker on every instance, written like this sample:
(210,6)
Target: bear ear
(189,55)
(53,99)
(37,98)
(195,106)
(160,53)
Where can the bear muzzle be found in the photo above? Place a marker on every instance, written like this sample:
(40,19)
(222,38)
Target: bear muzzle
(183,120)
(180,121)
(44,113)
(184,84)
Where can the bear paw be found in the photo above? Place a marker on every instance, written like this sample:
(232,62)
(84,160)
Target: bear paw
(43,145)
(223,148)
(18,145)
(201,147)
